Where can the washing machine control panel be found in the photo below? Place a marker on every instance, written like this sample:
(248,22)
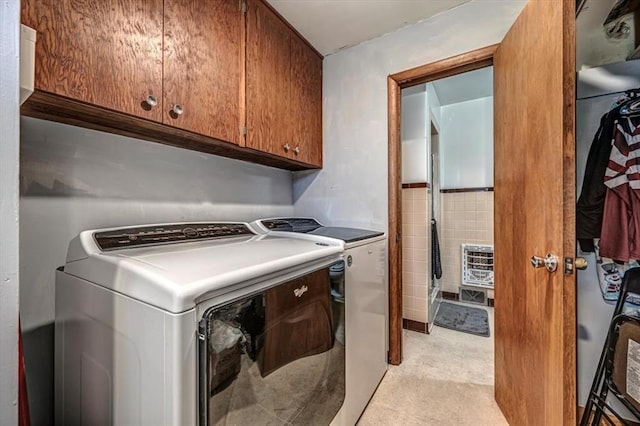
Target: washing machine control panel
(292,224)
(167,234)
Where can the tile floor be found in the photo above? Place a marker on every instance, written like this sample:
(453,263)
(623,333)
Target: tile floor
(446,378)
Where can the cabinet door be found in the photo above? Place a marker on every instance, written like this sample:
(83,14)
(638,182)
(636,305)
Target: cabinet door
(268,81)
(203,66)
(106,53)
(306,103)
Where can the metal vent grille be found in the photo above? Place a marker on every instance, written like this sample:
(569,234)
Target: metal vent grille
(471,295)
(477,265)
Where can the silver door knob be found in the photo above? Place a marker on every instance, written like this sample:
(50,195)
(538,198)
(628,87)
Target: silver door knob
(286,147)
(296,150)
(177,109)
(550,262)
(151,101)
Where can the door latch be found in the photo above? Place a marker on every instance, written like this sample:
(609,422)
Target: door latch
(570,265)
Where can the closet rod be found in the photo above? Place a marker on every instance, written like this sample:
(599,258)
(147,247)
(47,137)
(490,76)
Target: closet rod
(621,92)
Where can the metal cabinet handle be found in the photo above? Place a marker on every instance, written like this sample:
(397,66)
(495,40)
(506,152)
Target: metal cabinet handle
(550,262)
(286,147)
(151,101)
(296,150)
(177,109)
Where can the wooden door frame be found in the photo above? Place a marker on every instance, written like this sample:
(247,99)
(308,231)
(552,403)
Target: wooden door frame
(465,62)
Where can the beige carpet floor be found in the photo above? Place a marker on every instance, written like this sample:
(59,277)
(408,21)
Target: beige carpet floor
(446,378)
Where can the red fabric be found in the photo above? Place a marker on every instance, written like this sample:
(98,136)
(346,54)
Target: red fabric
(618,230)
(621,216)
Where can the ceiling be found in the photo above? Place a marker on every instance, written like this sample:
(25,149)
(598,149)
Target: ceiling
(465,87)
(459,88)
(330,25)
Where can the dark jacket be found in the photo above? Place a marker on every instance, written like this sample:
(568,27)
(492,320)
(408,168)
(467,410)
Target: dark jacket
(591,202)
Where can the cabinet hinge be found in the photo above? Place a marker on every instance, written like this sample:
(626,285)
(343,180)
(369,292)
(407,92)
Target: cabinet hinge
(243,6)
(243,129)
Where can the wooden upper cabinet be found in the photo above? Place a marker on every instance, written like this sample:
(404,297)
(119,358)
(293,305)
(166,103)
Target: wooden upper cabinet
(268,80)
(284,89)
(306,103)
(191,69)
(105,53)
(204,67)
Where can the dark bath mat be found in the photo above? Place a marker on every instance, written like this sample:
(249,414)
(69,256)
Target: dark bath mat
(463,318)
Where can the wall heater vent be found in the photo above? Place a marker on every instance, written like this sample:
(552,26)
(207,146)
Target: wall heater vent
(477,265)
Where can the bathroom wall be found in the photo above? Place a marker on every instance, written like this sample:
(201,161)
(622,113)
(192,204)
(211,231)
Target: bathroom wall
(466,130)
(467,218)
(466,135)
(420,111)
(415,253)
(413,135)
(74,179)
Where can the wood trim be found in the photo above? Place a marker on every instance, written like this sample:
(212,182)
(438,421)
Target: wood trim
(56,108)
(395,224)
(451,191)
(569,282)
(417,326)
(469,61)
(416,185)
(479,58)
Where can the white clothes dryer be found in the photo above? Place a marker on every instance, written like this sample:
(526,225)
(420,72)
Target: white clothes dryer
(198,323)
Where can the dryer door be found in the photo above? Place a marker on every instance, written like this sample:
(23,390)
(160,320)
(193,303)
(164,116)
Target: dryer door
(273,357)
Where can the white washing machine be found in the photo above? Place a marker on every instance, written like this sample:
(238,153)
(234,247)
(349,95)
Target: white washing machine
(200,323)
(366,295)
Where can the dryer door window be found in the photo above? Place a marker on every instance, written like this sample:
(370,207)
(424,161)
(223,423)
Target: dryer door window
(276,357)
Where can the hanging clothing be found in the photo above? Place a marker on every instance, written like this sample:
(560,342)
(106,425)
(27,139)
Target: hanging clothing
(590,207)
(621,216)
(436,261)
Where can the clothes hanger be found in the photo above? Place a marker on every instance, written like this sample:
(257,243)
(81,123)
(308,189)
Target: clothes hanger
(630,108)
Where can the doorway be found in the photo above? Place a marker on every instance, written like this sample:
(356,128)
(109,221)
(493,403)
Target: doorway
(447,203)
(534,154)
(395,83)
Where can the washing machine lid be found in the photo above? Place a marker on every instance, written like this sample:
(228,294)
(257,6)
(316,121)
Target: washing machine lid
(311,226)
(348,235)
(175,266)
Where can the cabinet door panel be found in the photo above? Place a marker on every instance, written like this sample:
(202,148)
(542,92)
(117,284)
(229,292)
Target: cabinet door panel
(306,103)
(203,66)
(105,53)
(268,85)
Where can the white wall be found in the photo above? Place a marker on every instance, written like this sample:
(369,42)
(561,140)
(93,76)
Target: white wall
(466,141)
(413,135)
(351,190)
(74,179)
(9,147)
(419,109)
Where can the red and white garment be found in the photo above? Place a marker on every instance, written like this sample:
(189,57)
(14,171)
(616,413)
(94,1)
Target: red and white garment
(620,236)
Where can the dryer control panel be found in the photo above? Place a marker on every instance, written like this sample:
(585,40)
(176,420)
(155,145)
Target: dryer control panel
(167,234)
